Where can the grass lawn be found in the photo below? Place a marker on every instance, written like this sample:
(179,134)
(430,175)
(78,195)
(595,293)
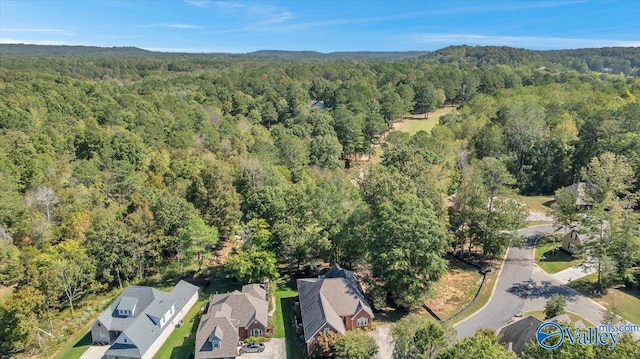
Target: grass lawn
(77,346)
(618,299)
(537,203)
(455,289)
(556,261)
(539,314)
(483,296)
(415,123)
(283,318)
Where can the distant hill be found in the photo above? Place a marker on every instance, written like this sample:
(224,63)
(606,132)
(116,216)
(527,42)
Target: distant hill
(58,50)
(606,59)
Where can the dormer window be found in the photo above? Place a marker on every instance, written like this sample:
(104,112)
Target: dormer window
(215,343)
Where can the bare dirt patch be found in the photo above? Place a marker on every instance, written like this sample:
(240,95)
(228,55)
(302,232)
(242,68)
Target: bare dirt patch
(455,290)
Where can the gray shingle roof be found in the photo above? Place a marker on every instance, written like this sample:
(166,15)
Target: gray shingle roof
(519,333)
(244,307)
(139,327)
(127,303)
(326,300)
(580,191)
(217,323)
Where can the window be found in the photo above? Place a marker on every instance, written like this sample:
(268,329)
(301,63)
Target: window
(101,334)
(326,330)
(216,343)
(256,332)
(125,340)
(362,321)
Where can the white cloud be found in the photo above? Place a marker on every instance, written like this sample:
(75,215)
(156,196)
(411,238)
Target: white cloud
(198,3)
(540,42)
(37,30)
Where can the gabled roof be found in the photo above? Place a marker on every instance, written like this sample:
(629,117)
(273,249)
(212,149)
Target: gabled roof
(127,303)
(519,333)
(580,191)
(139,328)
(216,324)
(256,290)
(245,307)
(325,300)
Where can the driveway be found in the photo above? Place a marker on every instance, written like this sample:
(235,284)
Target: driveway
(382,336)
(273,349)
(576,272)
(95,352)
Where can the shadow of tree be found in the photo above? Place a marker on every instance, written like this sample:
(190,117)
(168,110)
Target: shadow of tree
(530,289)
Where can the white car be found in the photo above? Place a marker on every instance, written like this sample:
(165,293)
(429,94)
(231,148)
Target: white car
(252,348)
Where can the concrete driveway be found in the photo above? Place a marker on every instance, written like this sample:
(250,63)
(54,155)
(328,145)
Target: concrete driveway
(382,336)
(273,349)
(95,352)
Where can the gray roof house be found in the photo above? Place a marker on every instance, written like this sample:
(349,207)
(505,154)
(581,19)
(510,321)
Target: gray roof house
(229,318)
(138,322)
(333,302)
(580,192)
(517,334)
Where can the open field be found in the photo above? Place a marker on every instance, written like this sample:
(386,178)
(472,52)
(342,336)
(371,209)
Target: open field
(554,261)
(618,299)
(414,123)
(537,203)
(455,289)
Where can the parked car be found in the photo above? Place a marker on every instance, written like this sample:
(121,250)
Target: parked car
(252,348)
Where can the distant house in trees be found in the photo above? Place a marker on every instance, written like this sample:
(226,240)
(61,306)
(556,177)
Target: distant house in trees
(318,104)
(138,322)
(571,240)
(515,335)
(333,302)
(580,192)
(229,318)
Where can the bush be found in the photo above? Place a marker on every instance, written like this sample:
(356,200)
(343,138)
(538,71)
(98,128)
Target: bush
(628,280)
(555,306)
(250,340)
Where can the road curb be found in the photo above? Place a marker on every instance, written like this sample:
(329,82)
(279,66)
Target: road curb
(495,286)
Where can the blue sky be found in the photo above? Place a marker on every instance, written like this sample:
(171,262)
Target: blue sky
(326,26)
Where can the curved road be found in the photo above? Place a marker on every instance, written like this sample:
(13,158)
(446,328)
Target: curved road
(524,286)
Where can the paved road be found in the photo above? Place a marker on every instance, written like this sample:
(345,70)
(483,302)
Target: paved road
(524,286)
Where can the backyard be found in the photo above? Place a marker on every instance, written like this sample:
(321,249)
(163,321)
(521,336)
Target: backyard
(455,289)
(285,296)
(618,299)
(552,259)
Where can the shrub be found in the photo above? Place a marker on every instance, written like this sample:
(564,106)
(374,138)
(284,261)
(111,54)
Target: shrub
(555,306)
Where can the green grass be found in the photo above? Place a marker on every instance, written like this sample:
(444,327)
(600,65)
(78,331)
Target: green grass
(618,299)
(556,261)
(285,296)
(76,346)
(413,126)
(482,299)
(537,203)
(181,343)
(539,314)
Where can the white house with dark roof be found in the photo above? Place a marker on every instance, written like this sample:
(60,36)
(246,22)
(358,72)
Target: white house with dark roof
(138,322)
(333,302)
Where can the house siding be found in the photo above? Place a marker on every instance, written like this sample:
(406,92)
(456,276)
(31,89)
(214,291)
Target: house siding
(169,327)
(100,334)
(351,322)
(255,325)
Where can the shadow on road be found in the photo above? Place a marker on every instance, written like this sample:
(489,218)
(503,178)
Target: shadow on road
(530,290)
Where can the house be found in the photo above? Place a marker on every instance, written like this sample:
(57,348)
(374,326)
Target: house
(229,318)
(333,302)
(515,335)
(579,190)
(318,104)
(570,241)
(138,322)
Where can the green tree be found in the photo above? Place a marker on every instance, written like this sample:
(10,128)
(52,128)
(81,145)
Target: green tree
(555,306)
(10,271)
(483,345)
(196,240)
(415,337)
(564,207)
(251,265)
(355,344)
(323,347)
(19,319)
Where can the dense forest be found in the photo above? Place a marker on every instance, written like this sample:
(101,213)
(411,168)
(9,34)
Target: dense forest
(122,164)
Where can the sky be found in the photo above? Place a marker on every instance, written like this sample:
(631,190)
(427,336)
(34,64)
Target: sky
(324,26)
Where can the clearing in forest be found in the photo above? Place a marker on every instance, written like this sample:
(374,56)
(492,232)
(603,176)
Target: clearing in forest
(414,123)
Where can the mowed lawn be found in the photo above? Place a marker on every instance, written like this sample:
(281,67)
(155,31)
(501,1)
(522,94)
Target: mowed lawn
(539,314)
(555,259)
(455,289)
(538,203)
(618,299)
(283,319)
(414,123)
